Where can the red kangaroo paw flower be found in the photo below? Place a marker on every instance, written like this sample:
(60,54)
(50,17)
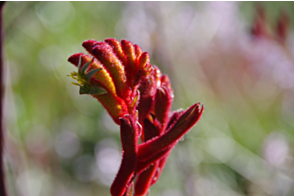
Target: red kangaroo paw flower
(101,76)
(174,118)
(138,98)
(142,165)
(114,104)
(151,130)
(138,50)
(175,125)
(117,49)
(123,177)
(129,135)
(182,126)
(164,154)
(163,101)
(259,28)
(124,69)
(130,146)
(282,29)
(166,82)
(145,178)
(143,61)
(129,51)
(147,90)
(144,66)
(104,53)
(88,45)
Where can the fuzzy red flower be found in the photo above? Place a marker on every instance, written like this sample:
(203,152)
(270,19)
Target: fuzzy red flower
(138,98)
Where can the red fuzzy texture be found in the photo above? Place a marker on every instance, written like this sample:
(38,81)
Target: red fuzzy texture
(157,144)
(104,53)
(163,101)
(145,179)
(88,45)
(138,51)
(74,59)
(117,49)
(138,98)
(130,147)
(129,51)
(142,165)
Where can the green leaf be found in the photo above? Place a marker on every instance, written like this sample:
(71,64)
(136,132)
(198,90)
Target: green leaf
(95,90)
(85,67)
(84,90)
(91,73)
(80,64)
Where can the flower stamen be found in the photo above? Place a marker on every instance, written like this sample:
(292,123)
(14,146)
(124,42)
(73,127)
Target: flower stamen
(83,80)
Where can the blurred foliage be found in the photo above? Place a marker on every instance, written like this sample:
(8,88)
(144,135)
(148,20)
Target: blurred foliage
(61,143)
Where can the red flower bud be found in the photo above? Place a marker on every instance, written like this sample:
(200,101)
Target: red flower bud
(167,140)
(163,101)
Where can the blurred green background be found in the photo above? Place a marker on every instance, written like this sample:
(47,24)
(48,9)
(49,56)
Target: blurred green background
(64,144)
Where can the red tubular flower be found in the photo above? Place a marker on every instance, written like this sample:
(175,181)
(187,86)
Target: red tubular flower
(145,177)
(159,146)
(138,98)
(129,140)
(259,28)
(162,105)
(171,136)
(282,29)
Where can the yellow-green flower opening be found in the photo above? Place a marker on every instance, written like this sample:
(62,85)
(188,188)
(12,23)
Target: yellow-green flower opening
(93,79)
(78,77)
(83,79)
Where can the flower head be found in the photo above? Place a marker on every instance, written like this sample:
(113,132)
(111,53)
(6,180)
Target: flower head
(138,98)
(122,67)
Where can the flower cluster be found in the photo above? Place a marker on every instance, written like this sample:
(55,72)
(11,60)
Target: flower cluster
(138,97)
(260,27)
